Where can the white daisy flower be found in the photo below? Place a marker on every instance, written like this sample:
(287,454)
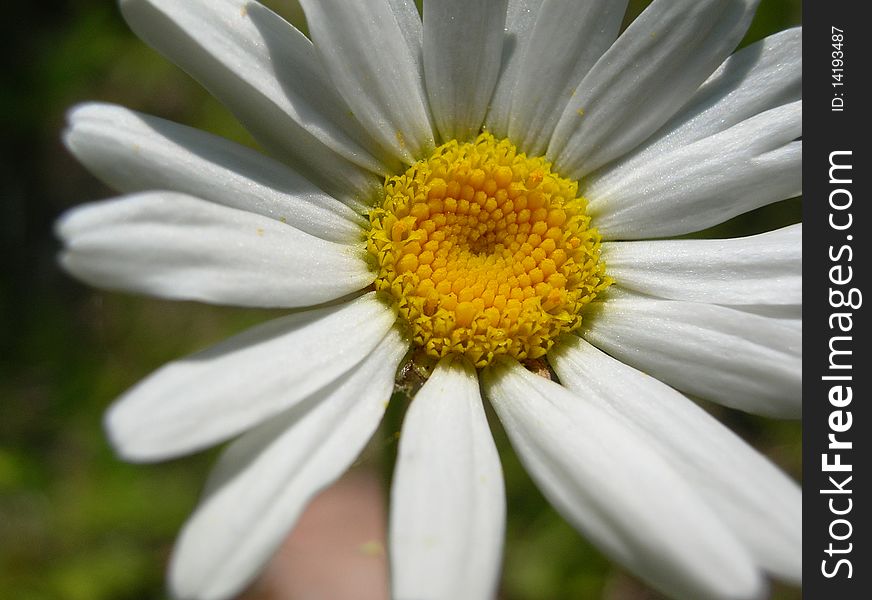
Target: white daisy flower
(489,190)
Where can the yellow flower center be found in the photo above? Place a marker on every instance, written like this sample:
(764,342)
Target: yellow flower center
(485,252)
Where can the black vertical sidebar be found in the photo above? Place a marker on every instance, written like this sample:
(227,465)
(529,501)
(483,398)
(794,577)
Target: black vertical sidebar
(837,435)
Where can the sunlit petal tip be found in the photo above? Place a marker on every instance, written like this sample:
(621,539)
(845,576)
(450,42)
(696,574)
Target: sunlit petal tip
(173,245)
(210,396)
(134,152)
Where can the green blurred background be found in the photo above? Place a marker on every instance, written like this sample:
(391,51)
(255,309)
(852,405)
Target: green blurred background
(77,524)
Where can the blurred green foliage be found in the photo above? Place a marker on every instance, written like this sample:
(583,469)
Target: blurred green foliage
(75,522)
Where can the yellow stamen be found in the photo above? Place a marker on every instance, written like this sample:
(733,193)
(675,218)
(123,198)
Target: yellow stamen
(485,252)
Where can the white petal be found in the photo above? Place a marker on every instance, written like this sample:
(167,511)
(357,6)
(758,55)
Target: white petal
(267,73)
(176,246)
(738,359)
(265,479)
(644,78)
(463,44)
(604,479)
(370,60)
(791,313)
(409,21)
(133,152)
(759,503)
(447,499)
(760,269)
(520,17)
(755,79)
(694,187)
(567,39)
(215,394)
